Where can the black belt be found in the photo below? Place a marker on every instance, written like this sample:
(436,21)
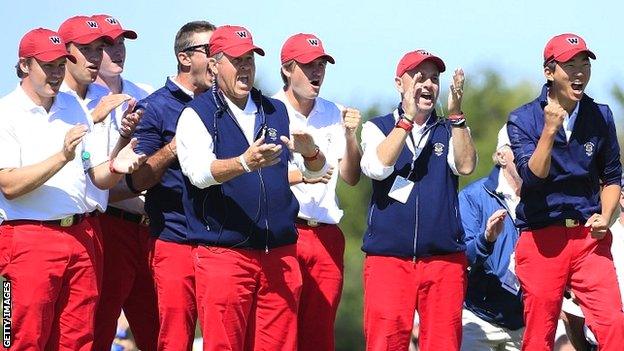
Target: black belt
(566,222)
(310,222)
(128,216)
(68,221)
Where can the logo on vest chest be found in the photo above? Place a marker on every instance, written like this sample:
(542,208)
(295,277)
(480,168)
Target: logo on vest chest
(589,148)
(271,134)
(438,149)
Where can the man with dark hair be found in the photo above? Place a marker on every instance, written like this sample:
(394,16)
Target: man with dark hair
(48,250)
(415,254)
(171,260)
(127,281)
(320,246)
(492,316)
(566,151)
(239,207)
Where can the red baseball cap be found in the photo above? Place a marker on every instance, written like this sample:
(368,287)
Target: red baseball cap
(112,27)
(233,40)
(44,45)
(82,30)
(565,46)
(415,58)
(304,48)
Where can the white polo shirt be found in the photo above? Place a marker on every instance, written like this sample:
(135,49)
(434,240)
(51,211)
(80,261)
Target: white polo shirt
(108,131)
(319,201)
(28,135)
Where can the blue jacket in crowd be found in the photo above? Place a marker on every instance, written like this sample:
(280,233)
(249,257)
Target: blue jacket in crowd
(488,262)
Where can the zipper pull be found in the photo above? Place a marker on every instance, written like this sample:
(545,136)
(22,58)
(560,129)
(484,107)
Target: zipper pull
(414,259)
(266,249)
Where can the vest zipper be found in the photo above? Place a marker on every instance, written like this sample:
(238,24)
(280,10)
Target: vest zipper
(416,226)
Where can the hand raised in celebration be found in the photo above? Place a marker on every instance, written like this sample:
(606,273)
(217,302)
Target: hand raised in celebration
(300,142)
(495,225)
(411,97)
(456,92)
(107,104)
(351,120)
(260,155)
(130,120)
(554,115)
(127,161)
(73,137)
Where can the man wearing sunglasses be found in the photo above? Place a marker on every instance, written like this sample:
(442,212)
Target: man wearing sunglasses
(170,249)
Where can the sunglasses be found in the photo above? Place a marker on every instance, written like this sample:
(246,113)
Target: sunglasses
(195,48)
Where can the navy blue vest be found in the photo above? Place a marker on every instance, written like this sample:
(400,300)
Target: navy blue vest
(429,222)
(254,210)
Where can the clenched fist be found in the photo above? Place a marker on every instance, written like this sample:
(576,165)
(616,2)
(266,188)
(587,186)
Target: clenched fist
(351,120)
(554,115)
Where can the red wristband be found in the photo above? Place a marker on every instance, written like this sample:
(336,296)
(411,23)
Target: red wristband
(456,117)
(313,157)
(405,124)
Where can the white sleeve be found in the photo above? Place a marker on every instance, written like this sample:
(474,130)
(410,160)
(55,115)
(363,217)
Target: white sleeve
(370,163)
(195,149)
(10,147)
(451,156)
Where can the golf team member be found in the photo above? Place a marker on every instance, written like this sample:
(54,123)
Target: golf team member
(492,316)
(48,250)
(127,280)
(566,151)
(239,207)
(171,259)
(415,257)
(321,243)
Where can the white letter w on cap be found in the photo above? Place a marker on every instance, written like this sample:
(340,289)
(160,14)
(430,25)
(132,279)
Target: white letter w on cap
(573,40)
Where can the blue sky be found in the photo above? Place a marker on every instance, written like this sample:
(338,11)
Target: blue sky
(366,38)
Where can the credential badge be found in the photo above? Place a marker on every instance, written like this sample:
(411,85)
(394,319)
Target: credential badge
(272,134)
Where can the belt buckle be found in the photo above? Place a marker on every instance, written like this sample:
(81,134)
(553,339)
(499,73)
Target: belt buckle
(312,223)
(67,221)
(145,221)
(571,223)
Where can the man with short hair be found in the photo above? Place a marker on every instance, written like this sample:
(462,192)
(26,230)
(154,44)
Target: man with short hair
(492,316)
(171,259)
(566,151)
(415,257)
(48,249)
(320,246)
(127,280)
(238,204)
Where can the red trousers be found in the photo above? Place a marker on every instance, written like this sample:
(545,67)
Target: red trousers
(53,276)
(249,299)
(396,287)
(320,253)
(174,277)
(548,260)
(127,283)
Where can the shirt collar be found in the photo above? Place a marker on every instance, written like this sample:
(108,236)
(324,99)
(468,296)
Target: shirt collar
(26,103)
(250,107)
(318,107)
(186,91)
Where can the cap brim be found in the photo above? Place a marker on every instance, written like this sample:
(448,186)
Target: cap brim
(128,34)
(50,56)
(436,61)
(240,50)
(309,57)
(568,55)
(90,38)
